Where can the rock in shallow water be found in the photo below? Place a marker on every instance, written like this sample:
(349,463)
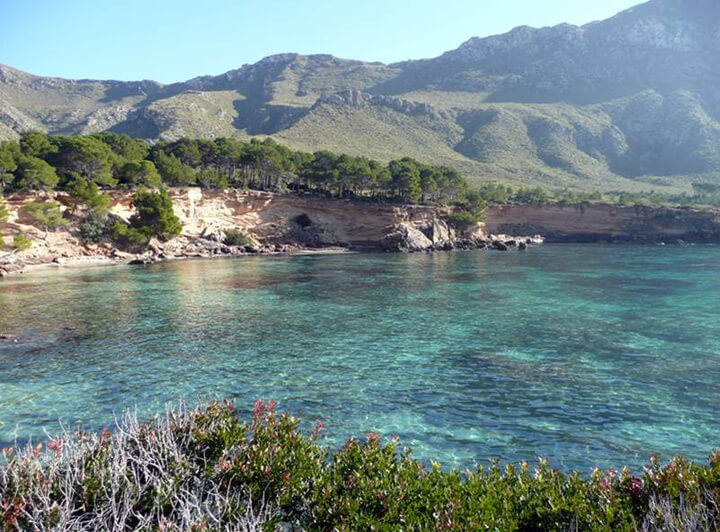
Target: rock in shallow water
(406,238)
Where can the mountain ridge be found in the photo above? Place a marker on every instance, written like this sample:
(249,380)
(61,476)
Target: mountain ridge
(629,102)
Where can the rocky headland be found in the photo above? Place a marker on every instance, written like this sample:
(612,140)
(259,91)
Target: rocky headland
(271,223)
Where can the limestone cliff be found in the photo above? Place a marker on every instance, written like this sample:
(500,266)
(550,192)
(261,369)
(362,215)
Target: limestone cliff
(283,223)
(605,223)
(274,223)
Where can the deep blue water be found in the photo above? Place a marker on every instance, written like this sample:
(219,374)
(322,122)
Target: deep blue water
(589,355)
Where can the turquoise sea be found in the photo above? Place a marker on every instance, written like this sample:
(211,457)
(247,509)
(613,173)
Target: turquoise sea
(590,355)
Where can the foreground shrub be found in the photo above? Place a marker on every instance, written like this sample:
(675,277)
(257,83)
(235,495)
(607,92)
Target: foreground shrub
(207,469)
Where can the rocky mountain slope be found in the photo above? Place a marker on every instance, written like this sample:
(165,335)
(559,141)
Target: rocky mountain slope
(630,102)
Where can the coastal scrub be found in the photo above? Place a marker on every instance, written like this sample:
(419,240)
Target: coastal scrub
(207,468)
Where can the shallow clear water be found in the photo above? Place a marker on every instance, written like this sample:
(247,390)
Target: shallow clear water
(590,355)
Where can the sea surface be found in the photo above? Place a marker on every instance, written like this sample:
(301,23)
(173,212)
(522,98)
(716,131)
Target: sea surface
(590,355)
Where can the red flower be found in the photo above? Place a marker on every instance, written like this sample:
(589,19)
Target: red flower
(318,427)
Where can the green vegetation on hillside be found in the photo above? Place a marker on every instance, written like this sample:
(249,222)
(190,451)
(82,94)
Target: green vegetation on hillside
(83,166)
(207,469)
(46,214)
(80,165)
(154,218)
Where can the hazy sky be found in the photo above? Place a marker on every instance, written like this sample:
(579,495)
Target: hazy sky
(173,40)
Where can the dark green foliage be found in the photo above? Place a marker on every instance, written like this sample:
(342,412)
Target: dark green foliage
(496,193)
(124,146)
(88,194)
(88,157)
(463,220)
(235,237)
(405,175)
(365,485)
(40,162)
(128,236)
(9,154)
(36,144)
(172,170)
(155,216)
(134,174)
(34,174)
(109,159)
(95,227)
(471,211)
(531,195)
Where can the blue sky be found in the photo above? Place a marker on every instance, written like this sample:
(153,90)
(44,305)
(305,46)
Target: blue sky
(174,40)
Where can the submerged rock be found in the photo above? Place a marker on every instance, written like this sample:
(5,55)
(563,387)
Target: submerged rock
(142,261)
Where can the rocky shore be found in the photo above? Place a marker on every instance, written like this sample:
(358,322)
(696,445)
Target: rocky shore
(272,224)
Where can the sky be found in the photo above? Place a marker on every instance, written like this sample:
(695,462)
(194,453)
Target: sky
(175,40)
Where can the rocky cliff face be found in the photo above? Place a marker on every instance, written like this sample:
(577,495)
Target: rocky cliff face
(272,223)
(280,223)
(630,102)
(605,223)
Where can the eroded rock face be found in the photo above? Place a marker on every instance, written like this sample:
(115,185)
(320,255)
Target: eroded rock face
(441,233)
(405,238)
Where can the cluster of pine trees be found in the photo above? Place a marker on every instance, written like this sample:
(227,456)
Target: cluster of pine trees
(42,162)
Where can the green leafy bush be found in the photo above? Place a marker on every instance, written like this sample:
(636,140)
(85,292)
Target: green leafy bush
(21,242)
(155,215)
(128,236)
(95,227)
(208,469)
(88,193)
(463,220)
